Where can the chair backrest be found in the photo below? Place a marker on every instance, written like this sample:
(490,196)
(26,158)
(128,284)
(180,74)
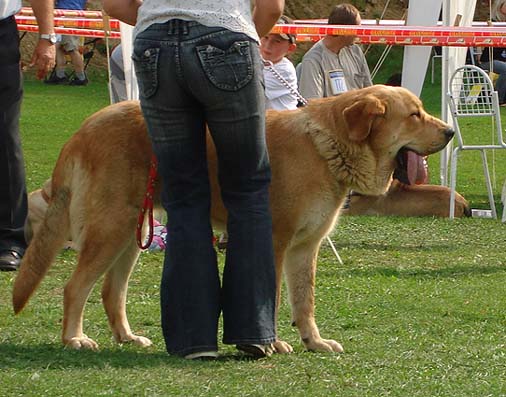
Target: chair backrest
(471,94)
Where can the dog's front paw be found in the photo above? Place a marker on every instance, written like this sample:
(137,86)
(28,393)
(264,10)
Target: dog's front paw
(323,345)
(138,340)
(282,347)
(82,342)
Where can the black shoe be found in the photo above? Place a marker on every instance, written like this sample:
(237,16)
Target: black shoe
(55,80)
(77,81)
(9,261)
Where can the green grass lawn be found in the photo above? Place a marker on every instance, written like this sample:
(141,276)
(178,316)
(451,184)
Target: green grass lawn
(418,304)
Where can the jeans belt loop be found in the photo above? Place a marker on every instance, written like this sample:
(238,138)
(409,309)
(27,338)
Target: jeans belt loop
(184,27)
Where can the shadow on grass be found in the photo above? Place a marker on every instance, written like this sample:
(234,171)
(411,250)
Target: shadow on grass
(423,247)
(419,272)
(51,356)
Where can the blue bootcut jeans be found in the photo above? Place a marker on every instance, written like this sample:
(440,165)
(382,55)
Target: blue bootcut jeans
(191,75)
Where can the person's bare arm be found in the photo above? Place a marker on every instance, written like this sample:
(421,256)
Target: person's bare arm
(44,53)
(266,13)
(124,10)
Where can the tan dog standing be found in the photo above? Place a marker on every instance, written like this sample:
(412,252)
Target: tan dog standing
(318,153)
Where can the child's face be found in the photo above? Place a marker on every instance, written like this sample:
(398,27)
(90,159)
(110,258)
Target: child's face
(273,47)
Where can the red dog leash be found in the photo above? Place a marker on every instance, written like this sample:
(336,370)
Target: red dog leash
(147,206)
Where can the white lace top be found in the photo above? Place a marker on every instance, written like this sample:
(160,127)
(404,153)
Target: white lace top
(234,15)
(9,7)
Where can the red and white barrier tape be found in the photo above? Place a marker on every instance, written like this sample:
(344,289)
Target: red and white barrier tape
(90,24)
(482,36)
(73,32)
(79,23)
(66,13)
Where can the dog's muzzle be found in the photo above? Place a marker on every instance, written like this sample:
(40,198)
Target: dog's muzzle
(449,133)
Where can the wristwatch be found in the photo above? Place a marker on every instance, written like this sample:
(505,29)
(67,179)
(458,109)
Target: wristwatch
(51,37)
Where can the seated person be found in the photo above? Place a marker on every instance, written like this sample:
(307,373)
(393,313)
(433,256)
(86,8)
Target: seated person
(334,64)
(494,59)
(497,66)
(69,45)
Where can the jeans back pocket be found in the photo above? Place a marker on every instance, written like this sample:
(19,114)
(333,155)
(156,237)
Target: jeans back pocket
(230,69)
(146,70)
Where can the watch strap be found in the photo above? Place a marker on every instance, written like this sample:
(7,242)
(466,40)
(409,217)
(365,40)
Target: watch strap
(51,37)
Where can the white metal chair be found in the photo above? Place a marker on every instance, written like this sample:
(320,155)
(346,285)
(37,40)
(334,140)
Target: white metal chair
(471,94)
(433,58)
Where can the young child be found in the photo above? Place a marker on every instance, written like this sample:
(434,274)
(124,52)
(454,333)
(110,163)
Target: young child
(274,48)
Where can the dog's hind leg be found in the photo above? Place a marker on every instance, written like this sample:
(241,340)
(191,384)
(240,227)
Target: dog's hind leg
(114,292)
(300,270)
(280,248)
(93,261)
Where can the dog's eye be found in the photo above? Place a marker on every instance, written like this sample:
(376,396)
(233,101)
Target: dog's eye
(416,114)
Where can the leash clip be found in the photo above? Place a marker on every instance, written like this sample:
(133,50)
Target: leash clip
(147,206)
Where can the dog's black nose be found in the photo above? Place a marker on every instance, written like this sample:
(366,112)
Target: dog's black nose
(449,133)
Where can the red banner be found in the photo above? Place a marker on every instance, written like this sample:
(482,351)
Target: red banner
(480,36)
(90,24)
(73,32)
(80,23)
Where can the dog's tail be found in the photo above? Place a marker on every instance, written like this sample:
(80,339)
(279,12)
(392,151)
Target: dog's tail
(43,248)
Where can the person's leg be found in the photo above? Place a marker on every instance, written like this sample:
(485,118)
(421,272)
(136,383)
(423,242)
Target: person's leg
(229,83)
(118,89)
(190,287)
(499,68)
(500,84)
(58,75)
(78,64)
(73,47)
(61,61)
(77,61)
(13,200)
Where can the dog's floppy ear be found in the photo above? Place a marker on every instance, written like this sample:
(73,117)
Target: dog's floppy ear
(360,116)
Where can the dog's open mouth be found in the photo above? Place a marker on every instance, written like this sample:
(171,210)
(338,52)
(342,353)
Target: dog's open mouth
(401,158)
(404,150)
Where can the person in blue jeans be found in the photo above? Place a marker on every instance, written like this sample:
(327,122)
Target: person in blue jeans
(198,65)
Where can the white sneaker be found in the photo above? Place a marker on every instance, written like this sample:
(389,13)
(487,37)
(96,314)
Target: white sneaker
(209,355)
(256,351)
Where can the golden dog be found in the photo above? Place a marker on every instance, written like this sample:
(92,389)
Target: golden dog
(409,200)
(317,153)
(38,201)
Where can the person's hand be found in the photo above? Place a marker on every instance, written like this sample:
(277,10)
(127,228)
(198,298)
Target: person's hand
(43,58)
